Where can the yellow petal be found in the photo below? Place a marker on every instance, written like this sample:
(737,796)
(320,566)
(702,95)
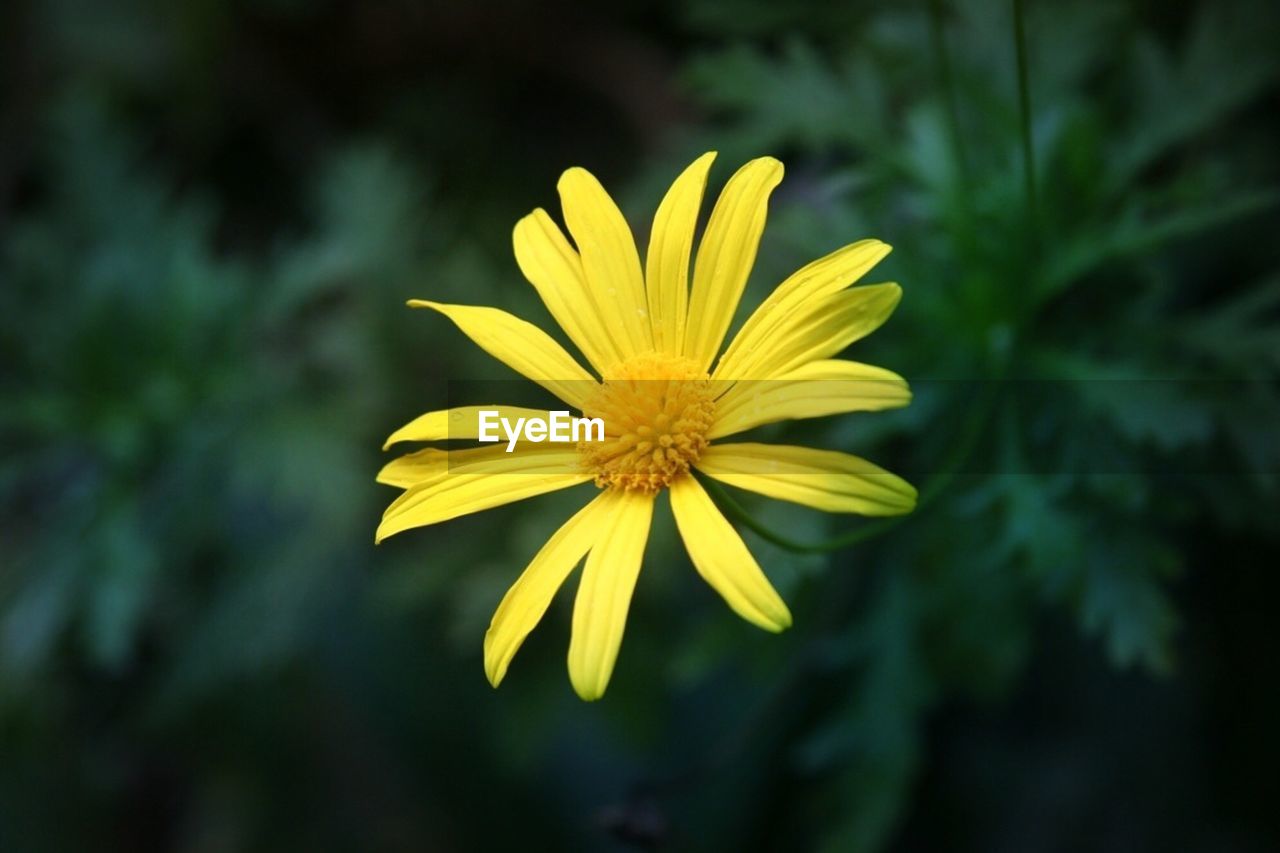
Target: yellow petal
(816,331)
(604,596)
(414,468)
(460,422)
(726,255)
(823,479)
(529,597)
(722,558)
(819,279)
(670,244)
(814,390)
(521,346)
(431,463)
(553,267)
(513,477)
(609,260)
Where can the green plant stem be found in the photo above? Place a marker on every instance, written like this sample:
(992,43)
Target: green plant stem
(1024,108)
(735,510)
(942,61)
(936,485)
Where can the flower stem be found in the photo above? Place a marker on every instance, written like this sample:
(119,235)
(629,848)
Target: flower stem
(942,65)
(735,510)
(980,414)
(1024,108)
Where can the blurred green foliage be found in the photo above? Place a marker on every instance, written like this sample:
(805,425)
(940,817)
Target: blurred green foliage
(212,215)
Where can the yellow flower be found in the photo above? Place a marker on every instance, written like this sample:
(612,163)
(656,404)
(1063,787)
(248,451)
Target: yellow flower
(652,338)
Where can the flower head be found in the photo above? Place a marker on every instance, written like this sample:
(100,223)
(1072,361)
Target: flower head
(651,338)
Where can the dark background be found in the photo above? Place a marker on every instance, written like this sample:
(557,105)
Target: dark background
(211,214)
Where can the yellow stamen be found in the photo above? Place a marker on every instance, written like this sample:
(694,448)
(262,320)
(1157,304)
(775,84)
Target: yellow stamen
(657,410)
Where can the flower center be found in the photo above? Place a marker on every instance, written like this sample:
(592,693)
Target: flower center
(657,410)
